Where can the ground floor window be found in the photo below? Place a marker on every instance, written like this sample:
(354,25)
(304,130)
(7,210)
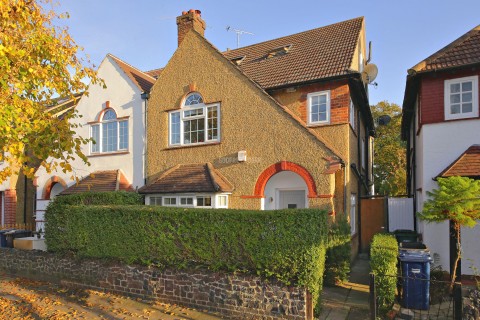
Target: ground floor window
(189,200)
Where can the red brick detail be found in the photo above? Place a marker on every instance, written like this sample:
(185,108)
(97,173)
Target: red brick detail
(251,197)
(339,100)
(432,94)
(47,189)
(10,202)
(285,166)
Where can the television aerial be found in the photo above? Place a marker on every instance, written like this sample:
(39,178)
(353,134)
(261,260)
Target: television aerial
(238,32)
(369,73)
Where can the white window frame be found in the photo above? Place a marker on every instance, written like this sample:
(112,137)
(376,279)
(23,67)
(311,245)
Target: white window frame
(447,103)
(353,213)
(215,200)
(309,107)
(204,107)
(352,114)
(99,125)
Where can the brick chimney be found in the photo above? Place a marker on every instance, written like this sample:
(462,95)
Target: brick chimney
(190,20)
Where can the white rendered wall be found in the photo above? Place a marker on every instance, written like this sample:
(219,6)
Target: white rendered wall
(124,97)
(285,180)
(442,144)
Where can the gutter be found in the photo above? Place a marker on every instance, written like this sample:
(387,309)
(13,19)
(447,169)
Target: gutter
(359,176)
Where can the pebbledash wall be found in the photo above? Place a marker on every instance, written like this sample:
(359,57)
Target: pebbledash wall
(237,296)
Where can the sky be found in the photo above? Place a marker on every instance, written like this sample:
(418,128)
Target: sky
(143,33)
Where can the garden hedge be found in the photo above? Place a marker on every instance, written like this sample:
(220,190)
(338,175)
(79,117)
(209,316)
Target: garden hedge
(383,262)
(99,198)
(289,245)
(339,251)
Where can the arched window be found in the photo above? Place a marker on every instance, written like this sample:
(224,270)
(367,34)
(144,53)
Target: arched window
(195,123)
(110,134)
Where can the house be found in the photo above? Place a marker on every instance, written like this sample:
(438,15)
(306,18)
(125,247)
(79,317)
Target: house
(114,117)
(280,124)
(441,125)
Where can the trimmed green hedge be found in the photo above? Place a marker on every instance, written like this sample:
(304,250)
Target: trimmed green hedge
(383,262)
(337,263)
(98,198)
(289,245)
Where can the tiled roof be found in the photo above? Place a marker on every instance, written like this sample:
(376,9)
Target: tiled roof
(183,178)
(311,55)
(463,51)
(467,165)
(155,72)
(143,80)
(101,181)
(62,106)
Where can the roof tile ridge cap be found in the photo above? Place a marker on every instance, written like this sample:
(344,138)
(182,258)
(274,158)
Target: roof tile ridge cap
(213,171)
(438,54)
(331,149)
(131,66)
(168,171)
(156,69)
(294,34)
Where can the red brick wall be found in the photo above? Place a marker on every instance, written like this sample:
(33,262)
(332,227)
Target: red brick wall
(10,203)
(432,89)
(339,99)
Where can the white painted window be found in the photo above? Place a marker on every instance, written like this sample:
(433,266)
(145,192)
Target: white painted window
(222,201)
(352,114)
(318,104)
(110,134)
(195,123)
(189,200)
(353,213)
(461,98)
(155,201)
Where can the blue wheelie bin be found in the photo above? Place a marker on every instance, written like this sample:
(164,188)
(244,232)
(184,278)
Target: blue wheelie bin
(3,237)
(415,267)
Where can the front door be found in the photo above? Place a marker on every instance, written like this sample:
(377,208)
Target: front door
(291,199)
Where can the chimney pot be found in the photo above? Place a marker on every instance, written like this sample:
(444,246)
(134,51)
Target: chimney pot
(184,13)
(192,10)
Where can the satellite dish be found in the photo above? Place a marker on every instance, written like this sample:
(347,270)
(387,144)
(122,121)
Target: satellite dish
(369,73)
(384,120)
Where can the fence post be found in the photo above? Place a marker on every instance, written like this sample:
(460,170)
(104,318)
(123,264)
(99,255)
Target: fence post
(373,298)
(457,301)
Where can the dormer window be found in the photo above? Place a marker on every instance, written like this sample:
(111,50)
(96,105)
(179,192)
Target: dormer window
(280,51)
(461,98)
(195,123)
(110,133)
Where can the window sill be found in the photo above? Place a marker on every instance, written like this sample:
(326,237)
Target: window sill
(106,154)
(193,145)
(315,125)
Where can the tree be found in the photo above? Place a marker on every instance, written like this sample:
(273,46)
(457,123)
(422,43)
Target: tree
(457,199)
(389,151)
(39,62)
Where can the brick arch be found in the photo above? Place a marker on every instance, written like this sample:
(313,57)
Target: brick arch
(285,166)
(47,189)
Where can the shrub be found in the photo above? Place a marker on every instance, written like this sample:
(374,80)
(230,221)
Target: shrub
(99,198)
(286,244)
(337,262)
(383,262)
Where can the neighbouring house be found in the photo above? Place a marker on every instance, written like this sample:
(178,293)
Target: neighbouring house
(115,118)
(280,124)
(441,125)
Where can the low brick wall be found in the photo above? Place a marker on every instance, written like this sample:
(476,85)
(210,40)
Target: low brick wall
(236,296)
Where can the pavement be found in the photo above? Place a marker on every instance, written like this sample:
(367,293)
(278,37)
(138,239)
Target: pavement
(349,300)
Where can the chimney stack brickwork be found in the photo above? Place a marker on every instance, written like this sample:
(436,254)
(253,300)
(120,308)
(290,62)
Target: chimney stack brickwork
(190,20)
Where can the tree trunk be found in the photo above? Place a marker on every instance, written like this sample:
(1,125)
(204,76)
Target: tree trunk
(453,275)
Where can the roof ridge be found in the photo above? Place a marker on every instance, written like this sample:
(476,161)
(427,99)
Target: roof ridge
(438,54)
(128,64)
(295,34)
(285,109)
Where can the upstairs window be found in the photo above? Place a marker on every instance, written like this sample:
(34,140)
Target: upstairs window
(318,104)
(195,123)
(461,98)
(110,134)
(352,114)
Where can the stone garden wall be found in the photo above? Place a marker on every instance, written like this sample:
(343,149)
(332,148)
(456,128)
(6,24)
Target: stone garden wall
(237,296)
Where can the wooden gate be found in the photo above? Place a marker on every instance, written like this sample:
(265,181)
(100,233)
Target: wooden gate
(373,220)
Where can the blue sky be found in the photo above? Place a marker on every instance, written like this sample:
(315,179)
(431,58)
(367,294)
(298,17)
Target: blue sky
(144,32)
